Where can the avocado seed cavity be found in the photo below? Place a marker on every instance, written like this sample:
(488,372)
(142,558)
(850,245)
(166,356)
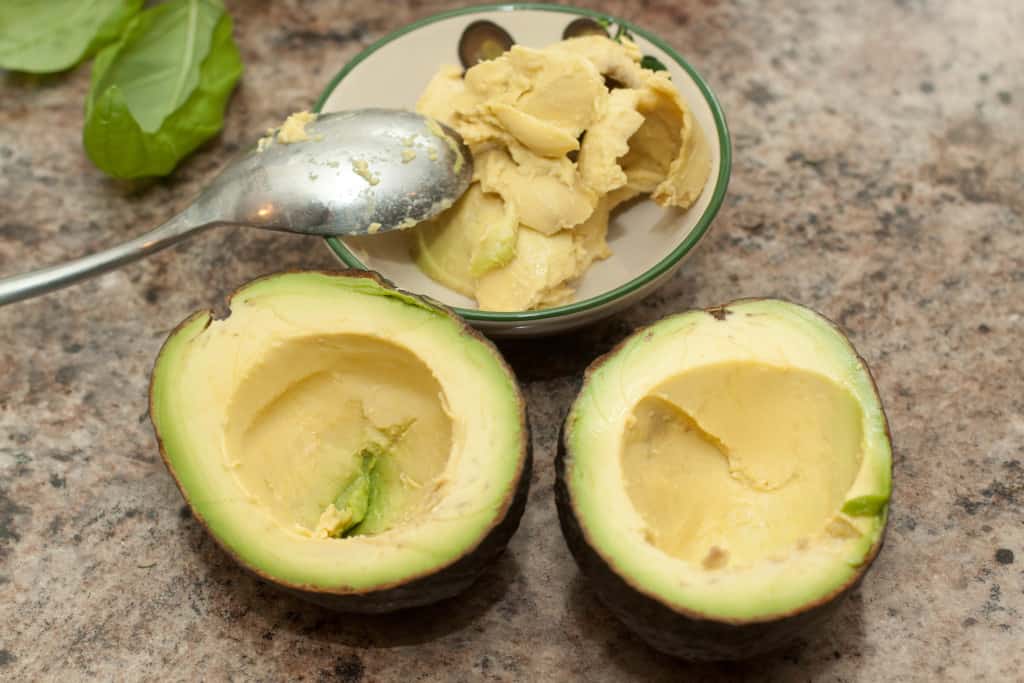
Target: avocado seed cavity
(733,463)
(339,435)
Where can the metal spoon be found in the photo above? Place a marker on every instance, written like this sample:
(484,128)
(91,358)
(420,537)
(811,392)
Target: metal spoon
(363,171)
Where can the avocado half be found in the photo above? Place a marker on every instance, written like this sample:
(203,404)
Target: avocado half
(346,441)
(723,478)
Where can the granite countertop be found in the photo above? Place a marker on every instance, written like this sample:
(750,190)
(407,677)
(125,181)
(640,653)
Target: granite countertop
(878,177)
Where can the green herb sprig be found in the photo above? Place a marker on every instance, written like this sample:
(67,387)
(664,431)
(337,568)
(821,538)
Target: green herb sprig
(160,81)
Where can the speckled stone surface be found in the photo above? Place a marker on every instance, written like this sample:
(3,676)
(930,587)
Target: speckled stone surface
(879,177)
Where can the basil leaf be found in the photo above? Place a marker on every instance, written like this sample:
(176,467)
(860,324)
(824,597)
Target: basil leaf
(160,92)
(46,36)
(652,63)
(157,63)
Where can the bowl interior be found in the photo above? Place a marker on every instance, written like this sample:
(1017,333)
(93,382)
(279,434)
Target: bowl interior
(645,238)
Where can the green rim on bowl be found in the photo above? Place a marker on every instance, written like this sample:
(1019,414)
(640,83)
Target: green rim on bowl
(691,239)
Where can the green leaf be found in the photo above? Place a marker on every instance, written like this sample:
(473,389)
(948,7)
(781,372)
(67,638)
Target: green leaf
(652,63)
(158,59)
(160,92)
(865,506)
(620,29)
(46,36)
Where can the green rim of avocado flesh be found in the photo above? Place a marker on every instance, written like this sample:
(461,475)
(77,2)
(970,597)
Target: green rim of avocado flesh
(324,390)
(723,478)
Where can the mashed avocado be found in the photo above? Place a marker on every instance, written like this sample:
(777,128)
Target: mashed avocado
(293,130)
(557,150)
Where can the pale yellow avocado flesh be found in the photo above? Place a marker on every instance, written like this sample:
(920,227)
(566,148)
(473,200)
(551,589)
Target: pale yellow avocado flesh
(262,415)
(300,419)
(738,468)
(732,463)
(292,131)
(524,115)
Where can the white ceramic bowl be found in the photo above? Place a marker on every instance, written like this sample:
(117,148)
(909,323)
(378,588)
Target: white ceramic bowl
(648,242)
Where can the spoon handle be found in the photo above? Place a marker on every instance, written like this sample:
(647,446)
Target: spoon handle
(44,280)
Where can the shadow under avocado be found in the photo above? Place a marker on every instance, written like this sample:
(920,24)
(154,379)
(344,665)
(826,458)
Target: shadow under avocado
(406,627)
(635,660)
(563,355)
(568,354)
(410,626)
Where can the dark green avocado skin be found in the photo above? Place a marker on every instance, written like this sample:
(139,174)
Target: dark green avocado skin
(687,636)
(445,582)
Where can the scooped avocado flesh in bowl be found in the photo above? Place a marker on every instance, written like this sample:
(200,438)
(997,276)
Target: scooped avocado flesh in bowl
(724,476)
(344,440)
(560,137)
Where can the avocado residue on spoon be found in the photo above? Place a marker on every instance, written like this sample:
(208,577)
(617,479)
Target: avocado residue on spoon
(293,130)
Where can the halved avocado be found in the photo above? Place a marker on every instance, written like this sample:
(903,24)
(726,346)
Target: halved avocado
(723,477)
(351,443)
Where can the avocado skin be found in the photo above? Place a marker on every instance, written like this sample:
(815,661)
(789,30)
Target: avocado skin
(679,634)
(421,590)
(674,631)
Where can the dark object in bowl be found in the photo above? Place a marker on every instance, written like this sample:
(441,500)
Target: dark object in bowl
(584,26)
(481,41)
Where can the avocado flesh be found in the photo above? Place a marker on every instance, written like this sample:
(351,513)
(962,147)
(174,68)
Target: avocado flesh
(350,509)
(472,238)
(360,506)
(300,419)
(733,463)
(781,430)
(265,416)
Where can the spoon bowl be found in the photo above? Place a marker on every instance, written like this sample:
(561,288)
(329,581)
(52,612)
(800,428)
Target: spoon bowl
(350,173)
(364,171)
